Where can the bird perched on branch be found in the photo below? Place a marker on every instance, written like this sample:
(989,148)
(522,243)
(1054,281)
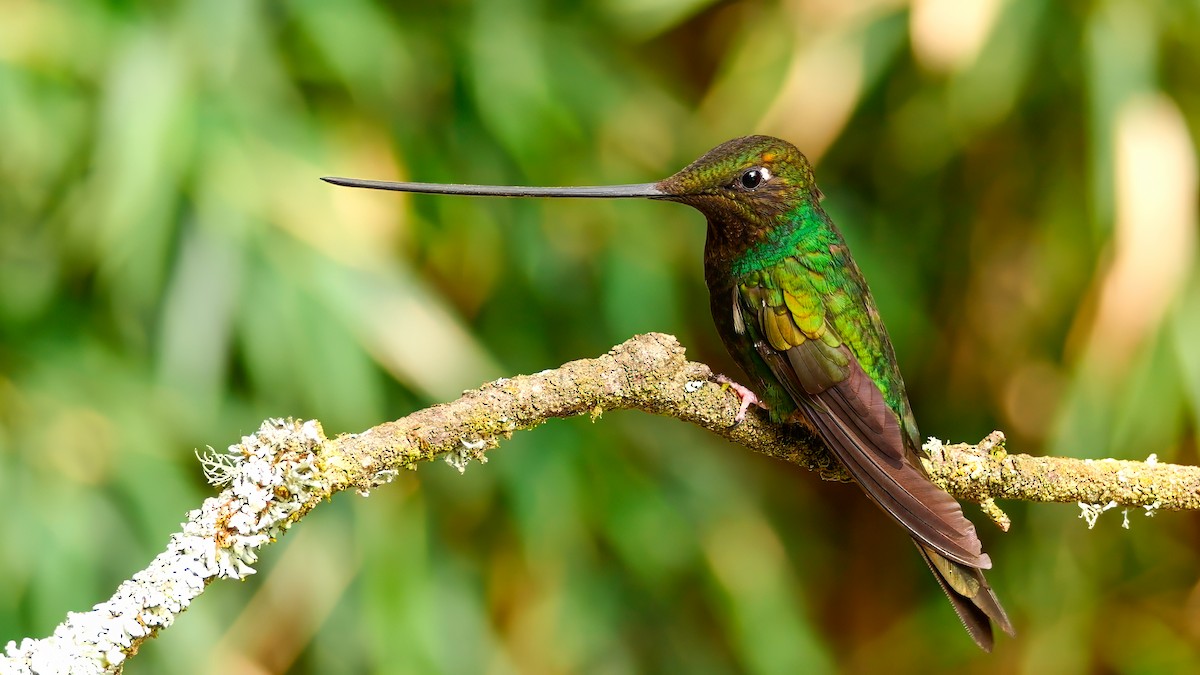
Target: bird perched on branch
(795,313)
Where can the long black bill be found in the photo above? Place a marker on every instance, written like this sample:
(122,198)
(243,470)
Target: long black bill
(644,190)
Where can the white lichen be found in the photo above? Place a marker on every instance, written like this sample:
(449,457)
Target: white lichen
(270,476)
(1091,512)
(466,451)
(381,477)
(218,466)
(693,386)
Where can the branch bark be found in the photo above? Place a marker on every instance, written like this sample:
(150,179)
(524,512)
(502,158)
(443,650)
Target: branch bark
(273,478)
(650,373)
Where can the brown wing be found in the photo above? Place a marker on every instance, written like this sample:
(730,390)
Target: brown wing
(850,414)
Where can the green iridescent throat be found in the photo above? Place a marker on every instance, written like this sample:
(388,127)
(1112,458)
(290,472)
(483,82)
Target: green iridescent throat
(798,230)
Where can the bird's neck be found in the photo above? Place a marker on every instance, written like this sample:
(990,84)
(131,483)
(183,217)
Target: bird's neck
(734,250)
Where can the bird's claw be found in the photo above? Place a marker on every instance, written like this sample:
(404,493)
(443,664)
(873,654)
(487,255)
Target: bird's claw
(747,397)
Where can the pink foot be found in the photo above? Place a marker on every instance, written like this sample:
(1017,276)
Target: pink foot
(747,397)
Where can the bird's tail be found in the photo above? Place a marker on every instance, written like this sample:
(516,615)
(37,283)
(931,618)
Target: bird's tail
(970,595)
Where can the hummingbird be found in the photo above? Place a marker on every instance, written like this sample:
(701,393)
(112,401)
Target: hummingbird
(793,309)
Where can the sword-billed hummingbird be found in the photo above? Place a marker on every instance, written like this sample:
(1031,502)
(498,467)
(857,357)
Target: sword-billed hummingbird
(795,313)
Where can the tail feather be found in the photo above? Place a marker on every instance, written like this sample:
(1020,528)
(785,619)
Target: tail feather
(970,595)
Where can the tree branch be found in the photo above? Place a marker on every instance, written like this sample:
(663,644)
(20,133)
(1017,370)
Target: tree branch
(650,373)
(275,477)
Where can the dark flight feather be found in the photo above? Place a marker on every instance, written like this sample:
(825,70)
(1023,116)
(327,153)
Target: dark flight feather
(864,434)
(848,411)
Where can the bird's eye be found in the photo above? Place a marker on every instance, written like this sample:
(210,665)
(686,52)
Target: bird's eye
(754,178)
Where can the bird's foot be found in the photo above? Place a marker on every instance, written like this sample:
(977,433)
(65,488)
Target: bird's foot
(747,397)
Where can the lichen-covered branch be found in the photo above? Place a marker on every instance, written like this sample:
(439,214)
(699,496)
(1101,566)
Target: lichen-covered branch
(650,373)
(273,478)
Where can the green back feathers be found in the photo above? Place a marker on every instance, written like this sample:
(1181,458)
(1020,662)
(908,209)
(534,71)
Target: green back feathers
(804,271)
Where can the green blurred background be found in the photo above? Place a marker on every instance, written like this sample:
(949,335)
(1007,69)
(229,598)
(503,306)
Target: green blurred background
(1016,178)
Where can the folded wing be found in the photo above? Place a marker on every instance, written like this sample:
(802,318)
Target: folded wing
(848,410)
